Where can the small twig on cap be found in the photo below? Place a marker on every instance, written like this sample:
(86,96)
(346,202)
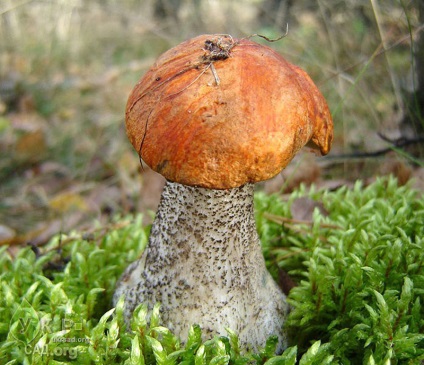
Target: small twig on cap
(269,39)
(215,50)
(215,74)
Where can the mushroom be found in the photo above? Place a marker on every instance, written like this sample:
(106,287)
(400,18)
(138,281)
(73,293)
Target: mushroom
(214,115)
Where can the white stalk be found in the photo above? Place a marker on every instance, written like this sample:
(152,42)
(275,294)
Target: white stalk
(204,264)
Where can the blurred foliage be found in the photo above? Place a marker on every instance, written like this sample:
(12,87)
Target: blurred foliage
(358,299)
(67,67)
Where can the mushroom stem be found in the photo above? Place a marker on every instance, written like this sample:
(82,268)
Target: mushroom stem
(204,264)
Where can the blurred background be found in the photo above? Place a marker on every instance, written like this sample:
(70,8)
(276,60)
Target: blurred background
(68,66)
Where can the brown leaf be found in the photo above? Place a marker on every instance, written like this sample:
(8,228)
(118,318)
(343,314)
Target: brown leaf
(31,147)
(6,234)
(302,209)
(418,179)
(396,167)
(304,169)
(67,201)
(285,282)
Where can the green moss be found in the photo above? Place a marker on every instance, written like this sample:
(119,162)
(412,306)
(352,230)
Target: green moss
(361,275)
(359,268)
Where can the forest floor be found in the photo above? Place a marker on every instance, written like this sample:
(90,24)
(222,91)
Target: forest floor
(65,162)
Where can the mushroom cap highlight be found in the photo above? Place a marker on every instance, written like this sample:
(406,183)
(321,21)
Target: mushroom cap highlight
(218,112)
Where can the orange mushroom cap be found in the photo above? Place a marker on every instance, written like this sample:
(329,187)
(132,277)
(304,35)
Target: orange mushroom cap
(219,112)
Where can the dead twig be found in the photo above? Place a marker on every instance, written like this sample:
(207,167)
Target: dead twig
(88,235)
(269,39)
(284,221)
(399,143)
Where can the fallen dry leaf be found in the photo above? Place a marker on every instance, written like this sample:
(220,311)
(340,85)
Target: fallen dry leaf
(67,201)
(31,147)
(304,169)
(303,208)
(6,233)
(397,167)
(418,179)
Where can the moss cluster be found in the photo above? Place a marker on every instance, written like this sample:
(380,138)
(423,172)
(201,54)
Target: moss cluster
(359,266)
